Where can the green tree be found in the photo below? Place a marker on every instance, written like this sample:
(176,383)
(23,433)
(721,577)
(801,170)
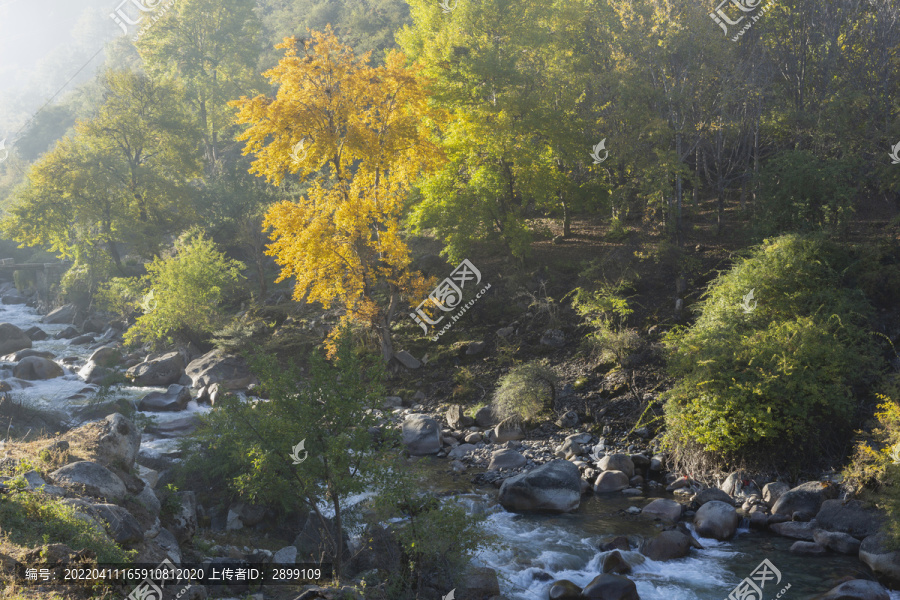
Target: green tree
(183,294)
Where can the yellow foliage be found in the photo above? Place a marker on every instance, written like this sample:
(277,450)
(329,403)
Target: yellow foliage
(360,136)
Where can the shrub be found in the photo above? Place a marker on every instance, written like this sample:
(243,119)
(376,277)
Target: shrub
(606,311)
(187,291)
(774,384)
(801,192)
(526,391)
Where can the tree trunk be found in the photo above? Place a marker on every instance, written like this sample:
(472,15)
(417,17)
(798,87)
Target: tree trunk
(567,216)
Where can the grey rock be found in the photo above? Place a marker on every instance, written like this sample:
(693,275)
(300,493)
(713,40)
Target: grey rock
(147,497)
(35,368)
(317,540)
(457,419)
(617,462)
(475,348)
(740,484)
(121,525)
(484,418)
(184,522)
(610,481)
(169,544)
(876,552)
(63,315)
(836,541)
(568,420)
(421,435)
(614,562)
(608,586)
(802,548)
(92,478)
(564,589)
(508,430)
(773,491)
(710,494)
(667,546)
(852,517)
(82,340)
(118,441)
(857,589)
(665,509)
(407,360)
(165,370)
(217,366)
(174,398)
(107,356)
(285,556)
(554,338)
(36,334)
(461,450)
(807,498)
(554,486)
(506,458)
(717,520)
(174,428)
(795,529)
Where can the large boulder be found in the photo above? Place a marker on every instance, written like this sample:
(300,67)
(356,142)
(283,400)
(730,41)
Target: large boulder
(174,398)
(663,508)
(121,525)
(564,590)
(12,339)
(554,486)
(740,484)
(876,552)
(773,491)
(614,562)
(165,370)
(421,435)
(506,458)
(118,441)
(797,530)
(716,520)
(667,546)
(610,481)
(107,356)
(91,478)
(806,498)
(484,418)
(456,419)
(802,548)
(709,494)
(229,371)
(36,368)
(852,517)
(618,462)
(856,589)
(63,315)
(610,587)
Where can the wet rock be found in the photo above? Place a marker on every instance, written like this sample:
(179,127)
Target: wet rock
(554,486)
(229,371)
(12,339)
(614,563)
(173,428)
(421,435)
(795,529)
(82,340)
(67,334)
(175,398)
(667,545)
(36,334)
(807,498)
(35,368)
(808,549)
(165,370)
(717,520)
(610,587)
(480,582)
(856,589)
(565,590)
(836,541)
(107,356)
(63,315)
(663,508)
(853,517)
(610,481)
(92,478)
(620,542)
(506,458)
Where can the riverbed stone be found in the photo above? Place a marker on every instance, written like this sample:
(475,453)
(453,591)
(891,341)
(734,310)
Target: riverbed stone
(484,418)
(876,552)
(717,520)
(856,589)
(837,541)
(740,484)
(92,478)
(608,586)
(614,562)
(106,356)
(610,481)
(165,370)
(173,428)
(805,498)
(853,517)
(457,419)
(554,486)
(506,458)
(121,525)
(508,430)
(617,462)
(710,494)
(564,589)
(36,334)
(663,508)
(12,339)
(36,368)
(63,315)
(421,435)
(667,545)
(795,529)
(217,366)
(175,398)
(802,548)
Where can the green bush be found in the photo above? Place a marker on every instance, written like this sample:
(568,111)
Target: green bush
(120,296)
(606,310)
(183,295)
(526,391)
(774,383)
(801,192)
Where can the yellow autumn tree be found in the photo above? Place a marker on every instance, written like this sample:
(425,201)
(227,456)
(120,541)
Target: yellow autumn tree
(360,136)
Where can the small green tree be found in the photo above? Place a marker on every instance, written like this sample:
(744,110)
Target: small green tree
(251,446)
(526,391)
(769,377)
(606,311)
(183,295)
